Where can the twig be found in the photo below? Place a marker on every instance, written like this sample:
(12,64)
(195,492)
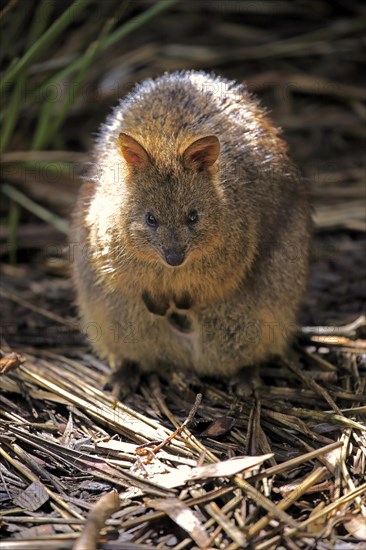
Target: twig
(5,293)
(141,449)
(9,6)
(101,511)
(349,330)
(47,156)
(313,385)
(290,499)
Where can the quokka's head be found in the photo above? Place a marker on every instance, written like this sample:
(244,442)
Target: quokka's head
(172,215)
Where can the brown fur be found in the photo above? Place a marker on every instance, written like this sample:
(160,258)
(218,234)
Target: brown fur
(245,260)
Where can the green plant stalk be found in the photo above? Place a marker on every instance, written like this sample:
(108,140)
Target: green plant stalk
(130,26)
(39,23)
(120,33)
(13,24)
(17,196)
(12,114)
(41,134)
(136,22)
(43,42)
(86,62)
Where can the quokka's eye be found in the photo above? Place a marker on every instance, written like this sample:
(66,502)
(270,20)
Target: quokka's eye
(192,217)
(151,220)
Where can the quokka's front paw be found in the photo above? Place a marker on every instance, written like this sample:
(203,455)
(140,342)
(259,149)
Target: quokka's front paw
(158,305)
(181,323)
(184,301)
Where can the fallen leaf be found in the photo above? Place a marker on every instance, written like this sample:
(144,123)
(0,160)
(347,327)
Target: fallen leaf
(317,526)
(218,427)
(357,527)
(183,516)
(32,498)
(228,468)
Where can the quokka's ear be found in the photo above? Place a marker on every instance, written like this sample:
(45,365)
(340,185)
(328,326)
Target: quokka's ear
(134,153)
(202,153)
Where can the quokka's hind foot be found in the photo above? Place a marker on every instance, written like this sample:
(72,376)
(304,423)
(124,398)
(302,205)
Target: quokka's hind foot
(125,378)
(246,381)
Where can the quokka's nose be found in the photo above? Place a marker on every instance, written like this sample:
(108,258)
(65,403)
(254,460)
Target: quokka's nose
(174,257)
